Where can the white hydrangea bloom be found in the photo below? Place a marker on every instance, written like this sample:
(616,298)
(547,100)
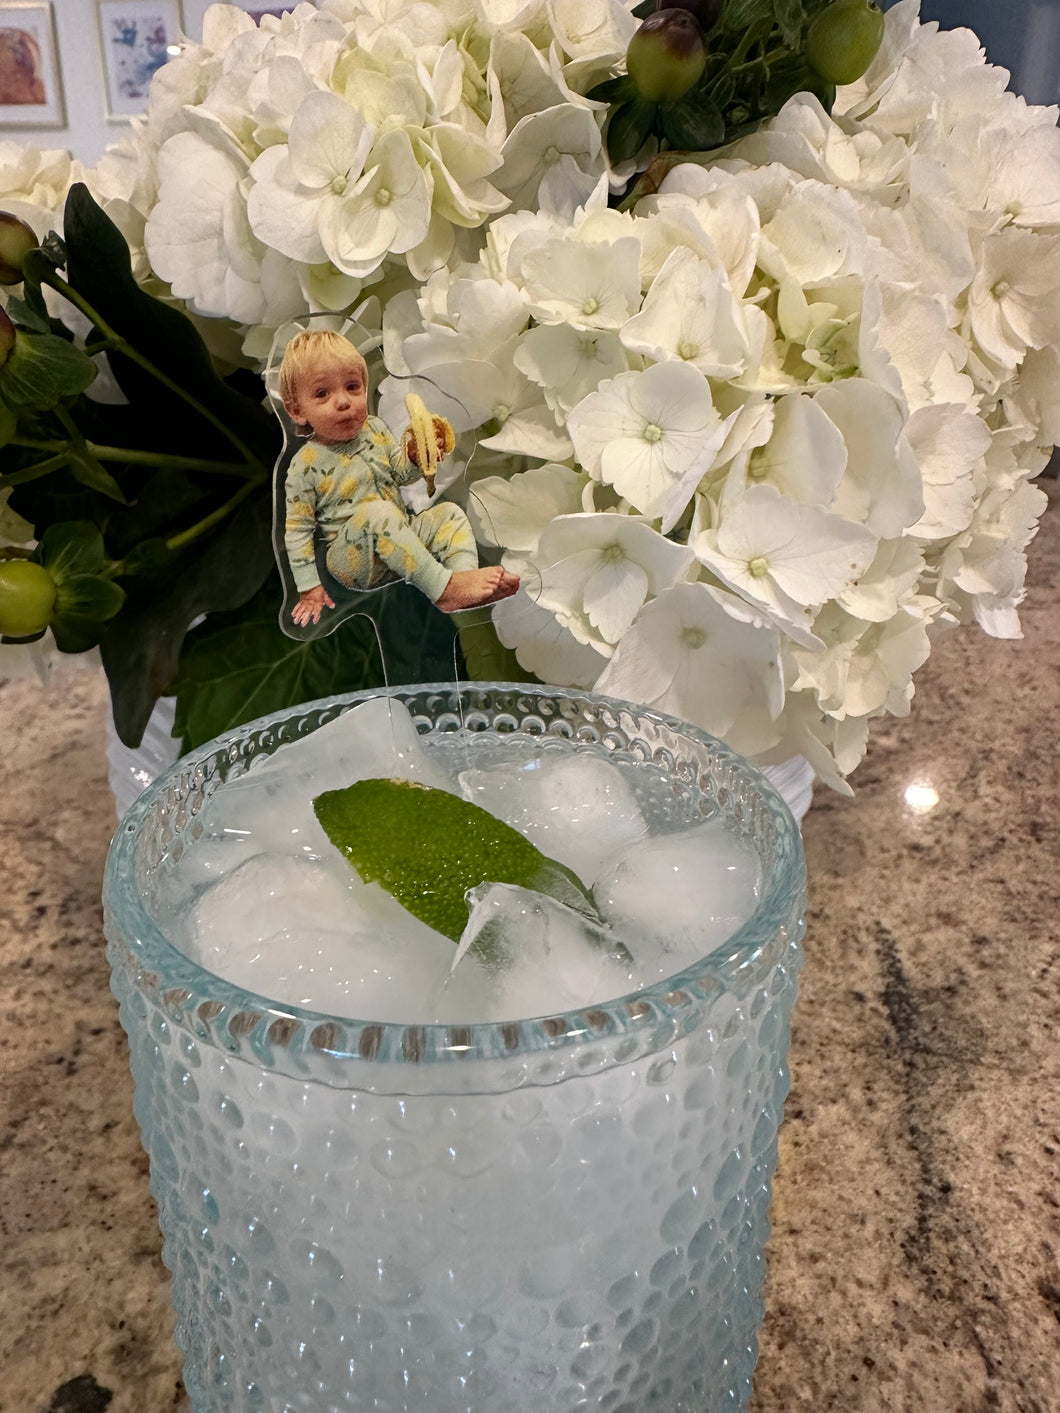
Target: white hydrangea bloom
(690,313)
(543,645)
(560,141)
(568,363)
(867,300)
(797,449)
(595,572)
(303,189)
(354,135)
(784,556)
(651,435)
(14,529)
(198,237)
(745,442)
(867,668)
(1014,299)
(34,183)
(695,652)
(513,512)
(587,284)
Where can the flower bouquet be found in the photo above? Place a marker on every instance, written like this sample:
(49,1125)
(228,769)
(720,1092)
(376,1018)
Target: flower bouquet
(747,316)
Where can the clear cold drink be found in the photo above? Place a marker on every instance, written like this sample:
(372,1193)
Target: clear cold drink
(384,1190)
(266,900)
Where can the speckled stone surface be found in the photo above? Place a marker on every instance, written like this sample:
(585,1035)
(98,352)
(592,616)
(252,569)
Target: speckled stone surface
(914,1264)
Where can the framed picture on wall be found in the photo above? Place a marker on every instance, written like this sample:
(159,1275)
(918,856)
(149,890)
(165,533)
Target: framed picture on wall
(31,91)
(194,10)
(136,37)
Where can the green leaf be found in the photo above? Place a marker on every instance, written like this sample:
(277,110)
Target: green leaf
(76,635)
(88,597)
(740,15)
(35,267)
(166,499)
(614,90)
(692,124)
(21,314)
(100,270)
(428,848)
(644,9)
(90,473)
(71,548)
(793,76)
(141,646)
(42,370)
(419,644)
(629,128)
(8,424)
(790,17)
(721,90)
(148,557)
(237,666)
(83,605)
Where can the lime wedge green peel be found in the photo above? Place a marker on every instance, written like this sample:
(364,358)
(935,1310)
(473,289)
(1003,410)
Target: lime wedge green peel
(427,848)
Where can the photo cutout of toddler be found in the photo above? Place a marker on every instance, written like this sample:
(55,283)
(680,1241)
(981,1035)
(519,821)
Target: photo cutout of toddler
(342,526)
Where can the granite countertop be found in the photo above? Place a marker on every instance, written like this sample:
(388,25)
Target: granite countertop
(914,1261)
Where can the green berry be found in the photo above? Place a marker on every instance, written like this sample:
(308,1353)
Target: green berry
(666,56)
(27,597)
(843,40)
(16,241)
(705,12)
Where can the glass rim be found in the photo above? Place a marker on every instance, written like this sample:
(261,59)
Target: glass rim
(299,1040)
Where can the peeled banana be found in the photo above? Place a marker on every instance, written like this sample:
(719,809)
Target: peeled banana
(427,430)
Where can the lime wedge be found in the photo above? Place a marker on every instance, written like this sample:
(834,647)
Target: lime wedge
(428,848)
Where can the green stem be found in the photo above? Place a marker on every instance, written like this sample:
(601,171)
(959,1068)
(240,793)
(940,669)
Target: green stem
(121,345)
(72,430)
(177,542)
(163,460)
(762,62)
(33,473)
(755,34)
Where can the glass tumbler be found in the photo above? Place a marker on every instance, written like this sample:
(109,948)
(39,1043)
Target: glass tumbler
(565,1212)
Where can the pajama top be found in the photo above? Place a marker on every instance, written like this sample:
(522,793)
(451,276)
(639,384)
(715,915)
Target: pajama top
(324,483)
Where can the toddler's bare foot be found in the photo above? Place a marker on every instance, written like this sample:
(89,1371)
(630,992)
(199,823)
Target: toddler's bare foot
(470,588)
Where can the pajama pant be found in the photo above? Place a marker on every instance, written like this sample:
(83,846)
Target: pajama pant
(379,544)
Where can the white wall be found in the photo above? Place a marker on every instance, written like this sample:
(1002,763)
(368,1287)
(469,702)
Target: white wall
(81,63)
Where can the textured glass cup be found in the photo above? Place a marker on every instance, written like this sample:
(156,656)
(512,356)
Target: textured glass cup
(566,1212)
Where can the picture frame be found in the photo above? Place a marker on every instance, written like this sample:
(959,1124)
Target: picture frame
(31,90)
(195,10)
(136,38)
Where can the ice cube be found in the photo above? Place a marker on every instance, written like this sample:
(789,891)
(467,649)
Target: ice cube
(309,934)
(208,860)
(374,740)
(577,809)
(676,897)
(539,955)
(271,807)
(262,896)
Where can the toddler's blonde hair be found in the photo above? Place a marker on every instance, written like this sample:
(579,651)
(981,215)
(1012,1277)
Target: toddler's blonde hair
(311,350)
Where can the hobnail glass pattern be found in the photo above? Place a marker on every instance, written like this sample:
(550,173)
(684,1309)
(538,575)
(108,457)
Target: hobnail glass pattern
(567,1212)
